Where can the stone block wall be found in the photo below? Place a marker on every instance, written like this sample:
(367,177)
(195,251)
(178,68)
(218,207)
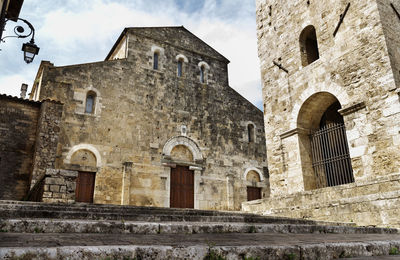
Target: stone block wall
(391,29)
(357,67)
(46,138)
(18,128)
(139,109)
(28,143)
(59,186)
(367,203)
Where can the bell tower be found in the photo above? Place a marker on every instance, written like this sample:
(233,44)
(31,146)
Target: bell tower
(330,73)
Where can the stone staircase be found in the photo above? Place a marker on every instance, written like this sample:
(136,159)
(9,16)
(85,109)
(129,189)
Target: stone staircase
(86,231)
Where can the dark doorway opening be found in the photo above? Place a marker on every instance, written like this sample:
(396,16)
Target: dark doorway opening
(253,193)
(330,151)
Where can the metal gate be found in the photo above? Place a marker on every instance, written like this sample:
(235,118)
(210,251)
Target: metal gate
(330,156)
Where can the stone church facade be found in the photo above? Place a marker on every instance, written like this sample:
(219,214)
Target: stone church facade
(155,124)
(330,72)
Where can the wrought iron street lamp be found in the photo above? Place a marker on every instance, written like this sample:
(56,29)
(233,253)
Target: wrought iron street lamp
(30,49)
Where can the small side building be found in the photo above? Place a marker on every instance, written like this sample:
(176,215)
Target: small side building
(28,143)
(155,124)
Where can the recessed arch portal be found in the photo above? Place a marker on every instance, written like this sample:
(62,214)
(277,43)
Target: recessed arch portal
(323,143)
(185,141)
(87,147)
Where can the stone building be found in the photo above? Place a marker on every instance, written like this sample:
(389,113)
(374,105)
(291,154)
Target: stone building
(28,142)
(330,72)
(155,124)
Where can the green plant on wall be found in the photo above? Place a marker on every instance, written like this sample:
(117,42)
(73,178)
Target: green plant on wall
(394,251)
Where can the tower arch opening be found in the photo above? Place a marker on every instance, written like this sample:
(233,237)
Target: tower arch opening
(309,45)
(324,150)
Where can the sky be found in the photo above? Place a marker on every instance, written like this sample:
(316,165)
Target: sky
(75,31)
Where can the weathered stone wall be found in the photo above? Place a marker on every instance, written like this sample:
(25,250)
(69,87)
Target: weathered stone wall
(138,110)
(59,186)
(354,67)
(357,67)
(46,138)
(18,124)
(391,28)
(370,202)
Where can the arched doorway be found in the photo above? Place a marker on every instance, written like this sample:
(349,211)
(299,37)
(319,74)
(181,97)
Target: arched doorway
(184,157)
(253,177)
(86,161)
(325,151)
(182,179)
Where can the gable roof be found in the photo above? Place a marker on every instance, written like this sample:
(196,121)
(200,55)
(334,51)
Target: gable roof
(177,36)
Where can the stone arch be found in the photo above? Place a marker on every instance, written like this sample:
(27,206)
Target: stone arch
(313,108)
(335,90)
(181,57)
(181,60)
(181,153)
(185,141)
(309,120)
(157,54)
(253,169)
(84,158)
(204,71)
(87,147)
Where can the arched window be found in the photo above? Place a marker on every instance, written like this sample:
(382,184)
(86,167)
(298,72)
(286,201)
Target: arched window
(90,102)
(250,133)
(204,68)
(180,68)
(155,60)
(202,74)
(308,45)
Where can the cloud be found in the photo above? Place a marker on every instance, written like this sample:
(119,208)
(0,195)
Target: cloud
(71,32)
(11,84)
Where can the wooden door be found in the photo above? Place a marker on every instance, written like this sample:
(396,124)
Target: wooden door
(253,193)
(85,187)
(182,187)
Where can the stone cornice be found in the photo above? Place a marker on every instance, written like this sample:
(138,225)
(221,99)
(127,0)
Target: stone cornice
(294,131)
(352,108)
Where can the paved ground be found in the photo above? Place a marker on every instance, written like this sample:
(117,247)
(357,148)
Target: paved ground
(259,239)
(391,257)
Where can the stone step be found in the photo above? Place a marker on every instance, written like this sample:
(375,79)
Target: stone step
(197,246)
(134,227)
(13,210)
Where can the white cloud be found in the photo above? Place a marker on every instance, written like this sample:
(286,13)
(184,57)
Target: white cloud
(11,84)
(85,31)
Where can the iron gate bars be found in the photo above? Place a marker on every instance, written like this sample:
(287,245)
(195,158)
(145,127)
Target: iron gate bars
(330,156)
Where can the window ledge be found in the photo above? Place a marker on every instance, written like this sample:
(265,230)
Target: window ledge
(87,114)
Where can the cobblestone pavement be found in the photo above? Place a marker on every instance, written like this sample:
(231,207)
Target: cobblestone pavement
(234,239)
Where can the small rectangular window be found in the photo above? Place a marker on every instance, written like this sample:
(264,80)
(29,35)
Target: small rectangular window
(202,74)
(155,61)
(180,68)
(89,104)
